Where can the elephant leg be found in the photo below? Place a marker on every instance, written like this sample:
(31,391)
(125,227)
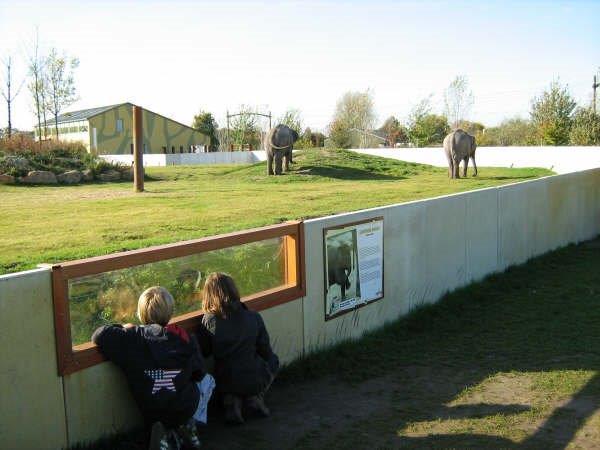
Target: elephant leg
(287,161)
(278,161)
(450,166)
(269,164)
(456,167)
(474,166)
(465,166)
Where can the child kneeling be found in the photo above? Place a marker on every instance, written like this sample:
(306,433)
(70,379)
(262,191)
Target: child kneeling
(164,368)
(245,364)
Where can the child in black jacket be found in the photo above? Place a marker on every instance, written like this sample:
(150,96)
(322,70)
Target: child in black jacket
(245,364)
(162,364)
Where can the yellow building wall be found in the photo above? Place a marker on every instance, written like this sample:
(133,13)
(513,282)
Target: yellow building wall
(159,132)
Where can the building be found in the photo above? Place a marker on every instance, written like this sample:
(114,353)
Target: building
(108,130)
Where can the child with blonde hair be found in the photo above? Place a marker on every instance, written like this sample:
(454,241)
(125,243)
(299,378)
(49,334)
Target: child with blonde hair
(245,364)
(163,367)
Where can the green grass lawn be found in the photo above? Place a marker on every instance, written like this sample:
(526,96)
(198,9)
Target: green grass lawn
(42,224)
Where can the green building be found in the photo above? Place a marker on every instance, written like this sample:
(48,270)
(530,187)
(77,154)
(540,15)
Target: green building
(108,131)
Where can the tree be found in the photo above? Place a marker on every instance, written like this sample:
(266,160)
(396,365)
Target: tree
(61,83)
(394,131)
(354,115)
(37,84)
(585,129)
(424,127)
(205,123)
(244,129)
(458,100)
(292,119)
(515,131)
(9,94)
(552,112)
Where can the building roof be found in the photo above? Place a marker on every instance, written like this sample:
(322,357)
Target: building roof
(82,114)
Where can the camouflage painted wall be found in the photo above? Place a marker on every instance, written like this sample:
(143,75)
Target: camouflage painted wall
(159,132)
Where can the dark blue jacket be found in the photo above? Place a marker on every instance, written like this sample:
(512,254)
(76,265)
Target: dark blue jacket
(161,365)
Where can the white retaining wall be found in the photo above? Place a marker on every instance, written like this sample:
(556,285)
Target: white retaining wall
(175,159)
(558,159)
(430,247)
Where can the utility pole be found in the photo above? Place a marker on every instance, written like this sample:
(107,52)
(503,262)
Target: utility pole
(138,150)
(594,87)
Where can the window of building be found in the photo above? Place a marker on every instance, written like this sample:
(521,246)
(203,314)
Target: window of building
(164,150)
(172,149)
(119,125)
(181,149)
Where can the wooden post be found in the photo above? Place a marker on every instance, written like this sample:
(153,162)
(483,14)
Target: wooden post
(138,150)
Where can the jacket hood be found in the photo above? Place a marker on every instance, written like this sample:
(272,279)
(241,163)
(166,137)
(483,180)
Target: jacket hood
(165,346)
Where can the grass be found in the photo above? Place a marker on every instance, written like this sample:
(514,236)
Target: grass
(50,224)
(509,362)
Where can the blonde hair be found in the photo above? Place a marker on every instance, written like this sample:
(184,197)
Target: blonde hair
(155,305)
(220,295)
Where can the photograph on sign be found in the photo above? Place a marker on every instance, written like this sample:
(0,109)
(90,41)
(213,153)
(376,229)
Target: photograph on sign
(353,266)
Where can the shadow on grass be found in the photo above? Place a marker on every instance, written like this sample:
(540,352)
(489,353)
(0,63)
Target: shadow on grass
(345,173)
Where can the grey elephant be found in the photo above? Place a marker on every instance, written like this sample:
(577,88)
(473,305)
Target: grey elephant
(460,145)
(279,144)
(339,266)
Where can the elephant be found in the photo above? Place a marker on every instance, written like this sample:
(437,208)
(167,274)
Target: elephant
(279,143)
(460,145)
(339,266)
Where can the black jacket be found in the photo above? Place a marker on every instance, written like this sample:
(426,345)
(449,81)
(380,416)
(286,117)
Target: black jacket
(244,361)
(161,365)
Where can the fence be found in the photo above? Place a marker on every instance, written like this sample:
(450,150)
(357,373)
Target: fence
(175,159)
(430,247)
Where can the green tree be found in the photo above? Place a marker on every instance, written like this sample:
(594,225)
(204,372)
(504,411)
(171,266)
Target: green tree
(515,131)
(205,123)
(585,129)
(425,128)
(61,83)
(354,115)
(552,113)
(292,119)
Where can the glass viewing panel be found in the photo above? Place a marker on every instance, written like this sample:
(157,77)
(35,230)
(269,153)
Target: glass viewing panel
(111,297)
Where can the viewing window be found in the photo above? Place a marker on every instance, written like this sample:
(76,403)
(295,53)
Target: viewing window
(119,125)
(265,263)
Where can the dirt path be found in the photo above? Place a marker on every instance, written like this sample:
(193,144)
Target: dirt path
(420,407)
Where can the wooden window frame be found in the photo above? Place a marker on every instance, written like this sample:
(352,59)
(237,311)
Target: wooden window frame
(74,358)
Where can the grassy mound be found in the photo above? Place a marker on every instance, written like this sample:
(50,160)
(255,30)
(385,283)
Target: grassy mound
(186,202)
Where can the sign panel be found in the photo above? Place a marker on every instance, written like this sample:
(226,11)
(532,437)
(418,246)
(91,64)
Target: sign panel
(353,266)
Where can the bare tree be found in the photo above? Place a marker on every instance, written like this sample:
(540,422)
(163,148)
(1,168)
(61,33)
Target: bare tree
(293,119)
(9,93)
(458,100)
(36,85)
(61,83)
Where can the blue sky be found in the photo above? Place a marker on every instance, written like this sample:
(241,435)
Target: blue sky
(179,57)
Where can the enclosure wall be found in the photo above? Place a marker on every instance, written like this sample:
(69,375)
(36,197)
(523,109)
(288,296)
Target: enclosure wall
(430,247)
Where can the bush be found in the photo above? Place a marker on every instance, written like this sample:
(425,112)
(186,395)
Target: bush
(21,154)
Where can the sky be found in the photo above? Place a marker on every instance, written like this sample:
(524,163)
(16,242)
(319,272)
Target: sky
(179,57)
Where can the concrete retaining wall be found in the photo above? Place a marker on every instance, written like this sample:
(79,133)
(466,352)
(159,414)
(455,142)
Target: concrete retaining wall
(430,247)
(558,159)
(150,160)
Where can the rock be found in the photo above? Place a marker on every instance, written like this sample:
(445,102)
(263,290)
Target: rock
(6,179)
(88,175)
(127,175)
(70,177)
(110,175)
(39,177)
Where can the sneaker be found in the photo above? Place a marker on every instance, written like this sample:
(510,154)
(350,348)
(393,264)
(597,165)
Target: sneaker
(256,406)
(188,435)
(233,409)
(159,437)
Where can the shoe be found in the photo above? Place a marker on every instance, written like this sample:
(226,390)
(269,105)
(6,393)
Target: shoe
(159,437)
(188,435)
(233,409)
(256,406)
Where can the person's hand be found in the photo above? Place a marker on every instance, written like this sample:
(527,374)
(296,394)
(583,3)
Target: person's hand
(128,325)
